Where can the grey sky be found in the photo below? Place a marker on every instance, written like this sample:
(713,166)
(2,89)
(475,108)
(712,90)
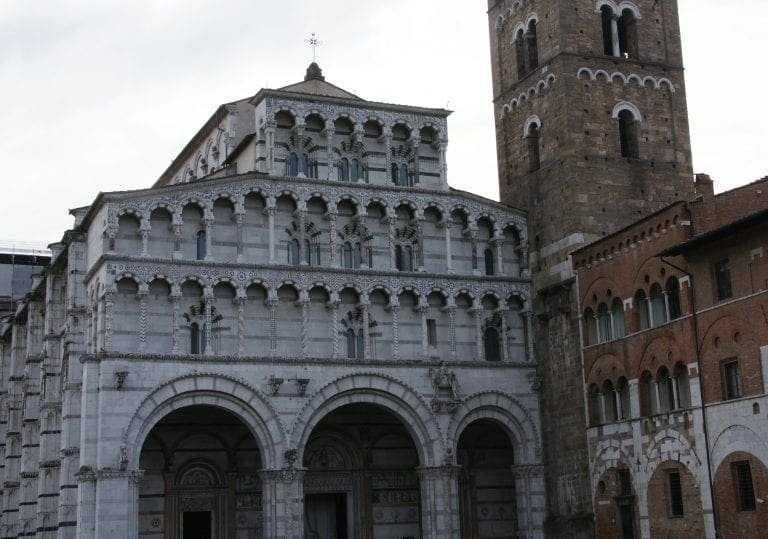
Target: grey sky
(100,96)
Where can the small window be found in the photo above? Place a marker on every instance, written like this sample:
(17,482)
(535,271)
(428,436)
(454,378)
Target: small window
(642,310)
(520,54)
(395,174)
(604,326)
(405,178)
(293,164)
(595,405)
(492,345)
(308,252)
(590,324)
(532,140)
(360,344)
(666,390)
(609,402)
(658,306)
(627,29)
(533,47)
(617,318)
(488,256)
(606,17)
(431,332)
(673,298)
(675,494)
(623,394)
(474,257)
(357,255)
(346,255)
(732,379)
(201,245)
(351,344)
(354,170)
(723,279)
(194,339)
(745,489)
(628,135)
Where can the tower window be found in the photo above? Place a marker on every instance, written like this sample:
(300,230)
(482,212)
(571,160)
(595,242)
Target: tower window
(344,169)
(520,54)
(532,46)
(534,160)
(293,252)
(628,134)
(606,16)
(627,33)
(293,164)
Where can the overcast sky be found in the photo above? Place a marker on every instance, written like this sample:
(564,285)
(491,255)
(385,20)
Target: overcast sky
(102,95)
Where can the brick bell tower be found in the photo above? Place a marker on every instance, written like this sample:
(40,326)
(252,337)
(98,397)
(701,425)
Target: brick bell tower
(592,134)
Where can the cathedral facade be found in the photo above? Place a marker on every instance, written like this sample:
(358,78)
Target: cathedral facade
(298,331)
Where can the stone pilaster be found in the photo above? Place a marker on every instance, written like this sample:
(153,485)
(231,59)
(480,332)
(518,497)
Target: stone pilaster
(283,503)
(439,501)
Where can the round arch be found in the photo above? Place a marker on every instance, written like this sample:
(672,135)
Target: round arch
(379,389)
(220,391)
(505,411)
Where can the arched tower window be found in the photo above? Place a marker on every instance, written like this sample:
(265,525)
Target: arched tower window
(201,245)
(532,45)
(628,135)
(606,17)
(627,29)
(520,54)
(532,140)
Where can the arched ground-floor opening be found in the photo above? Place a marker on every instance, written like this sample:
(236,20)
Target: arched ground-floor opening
(201,477)
(674,502)
(361,479)
(740,483)
(487,482)
(615,505)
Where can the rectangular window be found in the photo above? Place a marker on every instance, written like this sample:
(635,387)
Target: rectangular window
(732,379)
(723,279)
(745,490)
(675,494)
(431,332)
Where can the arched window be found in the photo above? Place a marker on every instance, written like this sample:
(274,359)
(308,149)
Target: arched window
(408,258)
(201,245)
(395,174)
(673,298)
(520,54)
(647,394)
(606,17)
(682,383)
(595,405)
(491,344)
(617,318)
(609,402)
(293,164)
(474,257)
(666,390)
(642,311)
(658,306)
(623,394)
(194,339)
(343,169)
(590,327)
(604,329)
(354,170)
(627,29)
(293,252)
(532,140)
(628,135)
(533,47)
(488,257)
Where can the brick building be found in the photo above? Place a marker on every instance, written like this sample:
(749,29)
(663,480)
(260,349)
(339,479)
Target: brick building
(675,360)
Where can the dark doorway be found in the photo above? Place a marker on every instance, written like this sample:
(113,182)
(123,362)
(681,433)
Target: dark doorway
(197,525)
(325,516)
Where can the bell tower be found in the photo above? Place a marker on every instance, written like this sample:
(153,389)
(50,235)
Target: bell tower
(592,134)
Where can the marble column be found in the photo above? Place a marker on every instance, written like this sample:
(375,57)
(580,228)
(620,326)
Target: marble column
(439,490)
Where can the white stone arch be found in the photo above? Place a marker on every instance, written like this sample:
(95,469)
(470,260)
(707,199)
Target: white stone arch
(664,80)
(127,275)
(669,444)
(532,119)
(291,112)
(586,71)
(619,75)
(212,389)
(735,438)
(318,113)
(130,210)
(201,204)
(609,454)
(349,198)
(626,105)
(505,410)
(520,295)
(631,6)
(161,277)
(381,287)
(373,388)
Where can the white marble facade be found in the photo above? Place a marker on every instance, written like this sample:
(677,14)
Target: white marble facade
(300,330)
